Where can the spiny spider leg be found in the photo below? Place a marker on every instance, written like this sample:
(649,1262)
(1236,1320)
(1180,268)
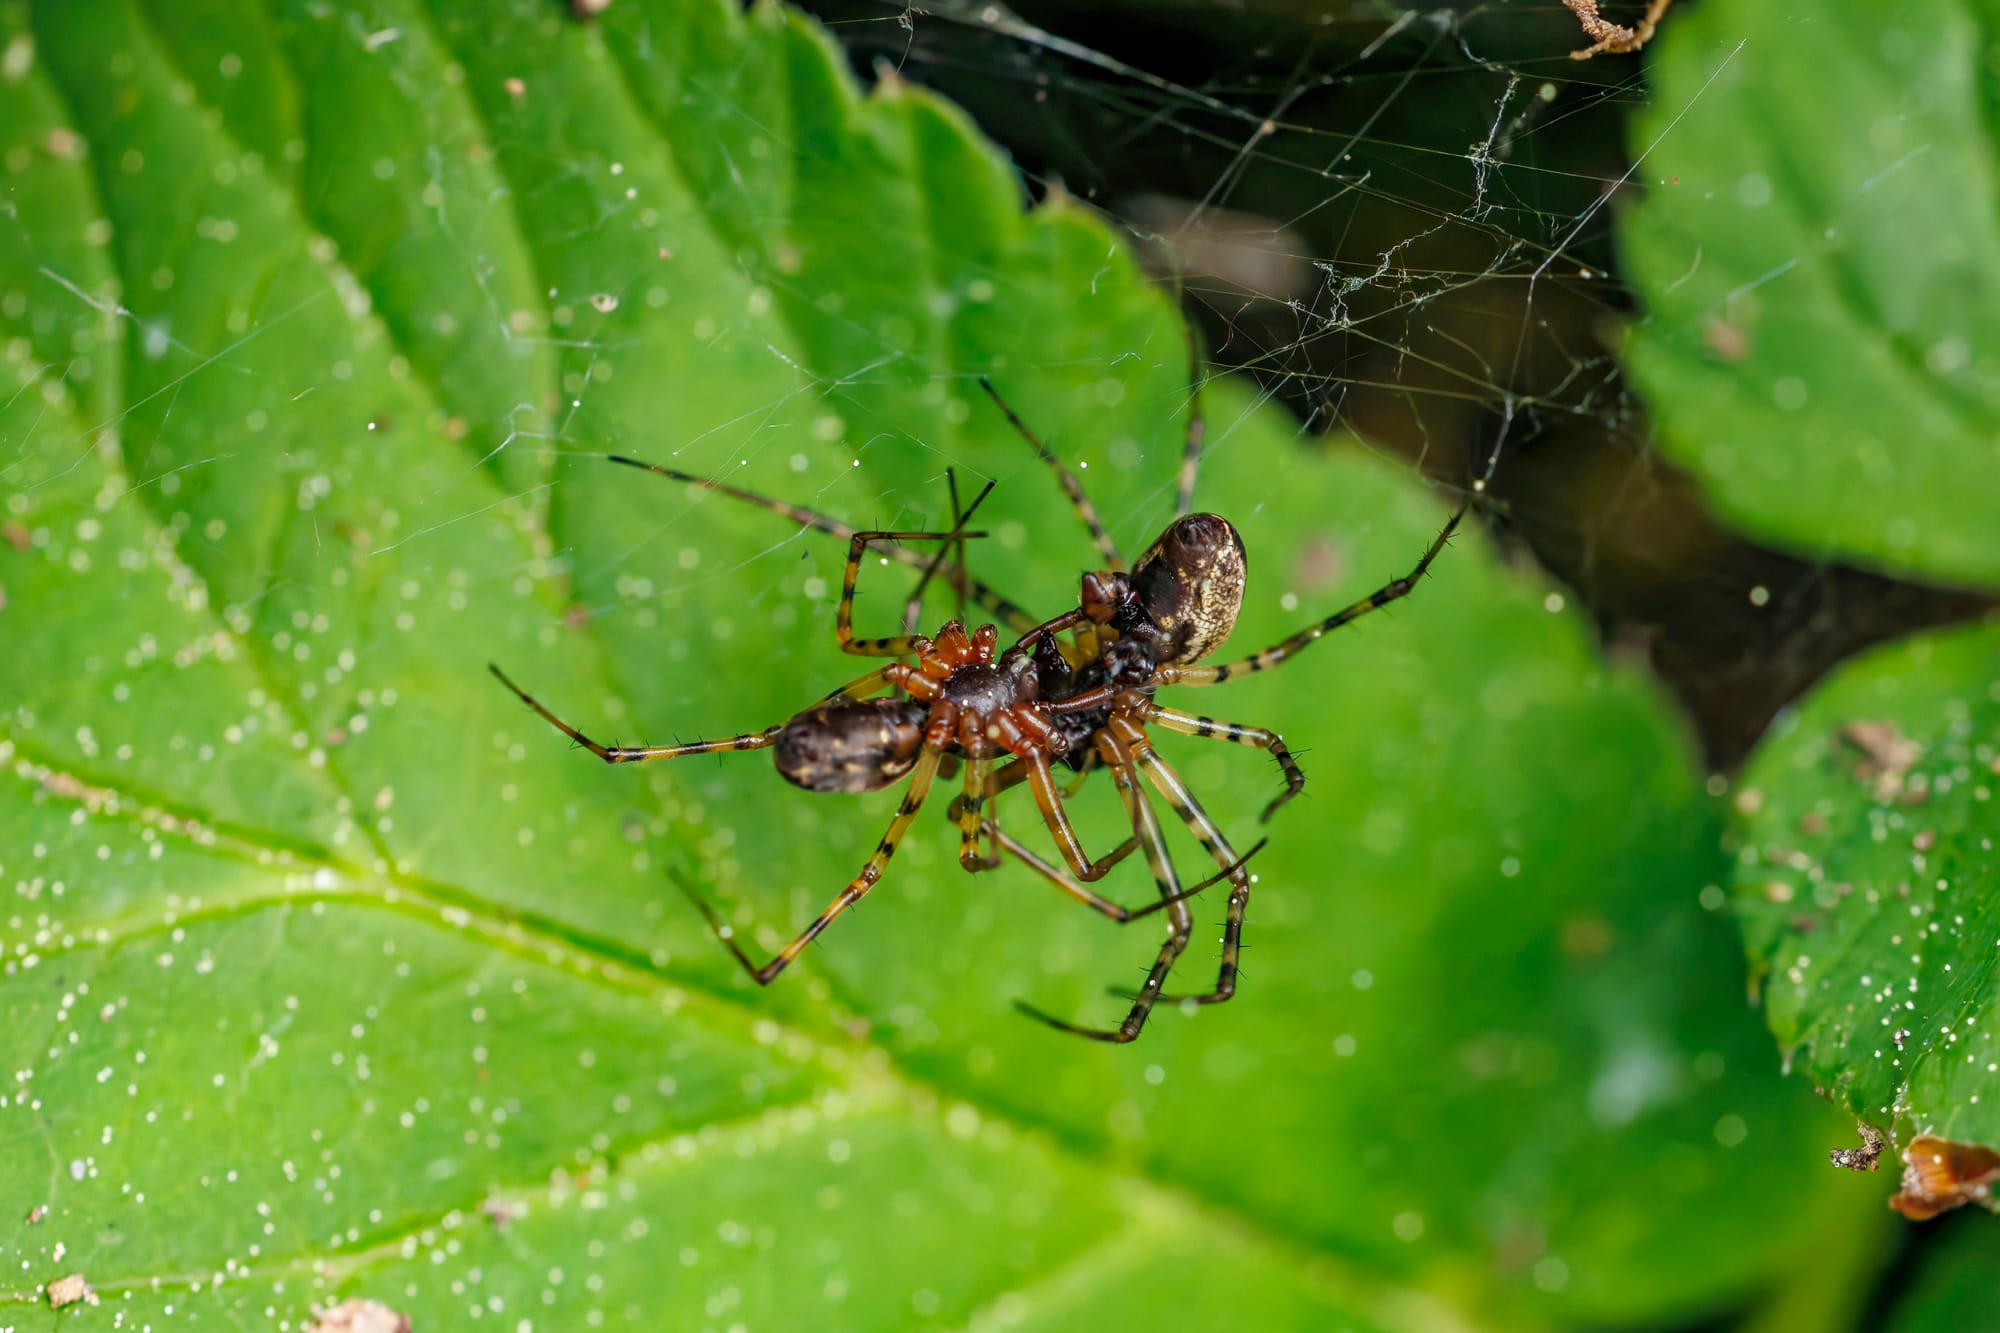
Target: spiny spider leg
(1073,488)
(1197,431)
(632,754)
(1013,774)
(1118,912)
(913,609)
(1012,616)
(896,645)
(1191,725)
(1048,798)
(967,812)
(1278,652)
(872,683)
(1146,827)
(958,521)
(857,888)
(1168,783)
(1072,485)
(1091,763)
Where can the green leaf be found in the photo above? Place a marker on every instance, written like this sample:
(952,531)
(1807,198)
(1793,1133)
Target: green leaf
(332,972)
(1869,884)
(1952,1288)
(1814,255)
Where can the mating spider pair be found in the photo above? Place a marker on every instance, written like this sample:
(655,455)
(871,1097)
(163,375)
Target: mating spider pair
(1008,716)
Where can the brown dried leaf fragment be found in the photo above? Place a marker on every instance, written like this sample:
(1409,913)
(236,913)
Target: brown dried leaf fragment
(1887,756)
(69,1290)
(1942,1174)
(359,1316)
(1614,38)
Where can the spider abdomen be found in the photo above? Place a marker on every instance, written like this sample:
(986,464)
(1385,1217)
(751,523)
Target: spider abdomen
(1190,585)
(852,747)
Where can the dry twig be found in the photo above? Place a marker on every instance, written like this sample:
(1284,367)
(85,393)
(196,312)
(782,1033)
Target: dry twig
(1614,38)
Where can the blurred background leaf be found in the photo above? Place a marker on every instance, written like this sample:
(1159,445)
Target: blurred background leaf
(1813,255)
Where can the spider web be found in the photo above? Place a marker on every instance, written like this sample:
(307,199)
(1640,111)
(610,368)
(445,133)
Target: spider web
(1401,222)
(1398,221)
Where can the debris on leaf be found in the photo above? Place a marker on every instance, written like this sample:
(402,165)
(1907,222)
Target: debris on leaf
(69,1290)
(1942,1174)
(37,1213)
(359,1316)
(502,1212)
(1868,1157)
(1888,756)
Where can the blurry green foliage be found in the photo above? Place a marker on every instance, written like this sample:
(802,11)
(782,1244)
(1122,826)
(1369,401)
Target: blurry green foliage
(1815,257)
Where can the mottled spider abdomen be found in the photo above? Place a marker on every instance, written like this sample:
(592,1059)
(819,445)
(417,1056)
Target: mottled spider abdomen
(851,746)
(1190,584)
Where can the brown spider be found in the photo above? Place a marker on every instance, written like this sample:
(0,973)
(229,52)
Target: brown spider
(1087,704)
(956,701)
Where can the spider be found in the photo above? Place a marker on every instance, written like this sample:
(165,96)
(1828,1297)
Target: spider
(956,700)
(1088,705)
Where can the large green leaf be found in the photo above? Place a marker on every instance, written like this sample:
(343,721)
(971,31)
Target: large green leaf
(332,972)
(1869,885)
(1815,254)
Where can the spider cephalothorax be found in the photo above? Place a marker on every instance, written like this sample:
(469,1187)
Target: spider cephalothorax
(979,708)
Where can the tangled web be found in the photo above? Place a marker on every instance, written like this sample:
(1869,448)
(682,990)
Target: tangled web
(1402,222)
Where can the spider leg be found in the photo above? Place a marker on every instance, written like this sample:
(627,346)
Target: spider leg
(1073,488)
(1146,827)
(1197,431)
(913,609)
(1096,902)
(1048,798)
(632,754)
(857,888)
(1090,765)
(1260,738)
(1128,731)
(1009,614)
(1012,774)
(1278,652)
(967,813)
(861,688)
(1015,772)
(896,645)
